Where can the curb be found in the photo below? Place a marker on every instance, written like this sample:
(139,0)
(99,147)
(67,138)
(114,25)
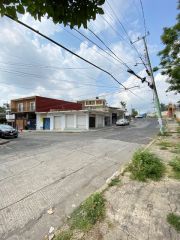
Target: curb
(120,171)
(3,142)
(151,143)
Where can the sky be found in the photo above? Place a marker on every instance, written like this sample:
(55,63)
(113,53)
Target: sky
(31,65)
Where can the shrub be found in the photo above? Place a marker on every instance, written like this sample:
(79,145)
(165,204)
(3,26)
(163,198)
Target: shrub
(89,212)
(174,220)
(146,165)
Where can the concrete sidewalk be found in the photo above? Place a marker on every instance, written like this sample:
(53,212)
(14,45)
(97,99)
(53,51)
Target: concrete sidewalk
(138,210)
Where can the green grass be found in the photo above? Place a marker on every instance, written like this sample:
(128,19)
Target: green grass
(176,148)
(88,213)
(114,182)
(175,164)
(165,144)
(146,165)
(174,220)
(64,235)
(178,129)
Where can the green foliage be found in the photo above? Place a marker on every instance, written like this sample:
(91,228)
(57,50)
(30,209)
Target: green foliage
(174,220)
(114,182)
(175,164)
(65,235)
(146,165)
(165,144)
(2,109)
(134,112)
(164,107)
(123,104)
(89,212)
(74,13)
(170,61)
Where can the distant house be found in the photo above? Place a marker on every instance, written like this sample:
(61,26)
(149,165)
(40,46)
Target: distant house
(89,104)
(25,110)
(98,104)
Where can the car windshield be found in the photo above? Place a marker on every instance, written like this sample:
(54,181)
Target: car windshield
(5,127)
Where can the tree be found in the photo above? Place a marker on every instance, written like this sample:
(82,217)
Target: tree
(72,12)
(170,55)
(134,113)
(2,109)
(123,104)
(164,107)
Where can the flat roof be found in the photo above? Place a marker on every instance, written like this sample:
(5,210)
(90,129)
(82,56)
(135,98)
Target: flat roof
(91,99)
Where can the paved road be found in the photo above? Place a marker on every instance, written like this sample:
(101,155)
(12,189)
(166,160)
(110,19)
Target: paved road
(59,170)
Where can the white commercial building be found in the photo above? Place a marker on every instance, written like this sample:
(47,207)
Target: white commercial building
(69,120)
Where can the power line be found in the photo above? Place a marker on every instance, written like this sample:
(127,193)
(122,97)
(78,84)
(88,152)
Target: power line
(73,53)
(65,48)
(122,62)
(96,45)
(44,66)
(124,29)
(89,41)
(19,73)
(144,21)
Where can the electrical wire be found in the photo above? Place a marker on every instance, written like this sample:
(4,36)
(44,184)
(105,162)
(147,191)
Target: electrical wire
(124,29)
(65,48)
(91,42)
(96,45)
(144,21)
(73,53)
(19,73)
(122,62)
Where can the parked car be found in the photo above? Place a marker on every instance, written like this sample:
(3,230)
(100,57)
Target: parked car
(122,122)
(7,131)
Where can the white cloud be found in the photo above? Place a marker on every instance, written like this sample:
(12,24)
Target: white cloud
(31,66)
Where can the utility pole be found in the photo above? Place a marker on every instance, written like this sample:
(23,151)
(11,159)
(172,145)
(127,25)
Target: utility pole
(156,98)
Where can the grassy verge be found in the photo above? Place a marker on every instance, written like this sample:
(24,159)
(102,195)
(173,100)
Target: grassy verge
(175,164)
(89,212)
(146,165)
(64,235)
(85,216)
(174,220)
(165,144)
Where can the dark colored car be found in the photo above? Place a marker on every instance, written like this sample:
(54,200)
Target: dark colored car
(7,131)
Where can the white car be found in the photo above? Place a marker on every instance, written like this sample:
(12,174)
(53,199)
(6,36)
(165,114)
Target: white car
(122,122)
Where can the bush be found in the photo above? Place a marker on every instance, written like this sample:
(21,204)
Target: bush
(146,165)
(89,212)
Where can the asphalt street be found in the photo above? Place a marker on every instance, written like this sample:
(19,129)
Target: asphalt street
(43,170)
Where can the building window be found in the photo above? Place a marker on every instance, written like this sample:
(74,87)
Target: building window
(32,106)
(99,102)
(20,107)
